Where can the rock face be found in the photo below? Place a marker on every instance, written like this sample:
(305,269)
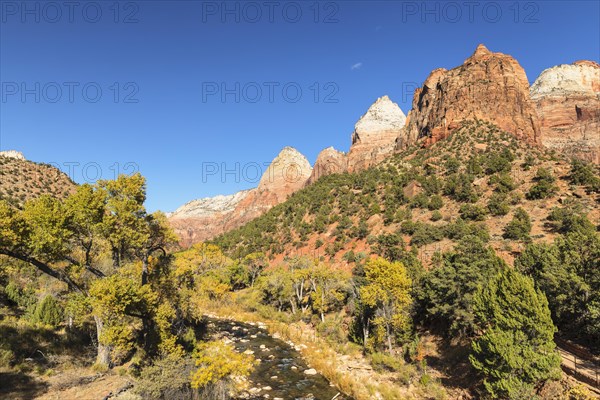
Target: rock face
(487,86)
(567,98)
(329,161)
(375,134)
(203,219)
(286,174)
(12,154)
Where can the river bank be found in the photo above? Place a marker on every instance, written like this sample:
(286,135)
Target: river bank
(349,371)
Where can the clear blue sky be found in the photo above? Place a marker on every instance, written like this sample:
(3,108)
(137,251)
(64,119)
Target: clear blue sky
(171,56)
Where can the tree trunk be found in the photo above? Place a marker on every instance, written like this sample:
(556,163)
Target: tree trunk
(103,358)
(145,271)
(389,338)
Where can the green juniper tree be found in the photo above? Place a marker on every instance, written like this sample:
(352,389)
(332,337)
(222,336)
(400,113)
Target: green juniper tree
(515,350)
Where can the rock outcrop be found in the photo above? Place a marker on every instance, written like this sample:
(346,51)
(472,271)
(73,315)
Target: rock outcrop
(286,174)
(203,219)
(487,86)
(375,134)
(12,154)
(329,161)
(567,98)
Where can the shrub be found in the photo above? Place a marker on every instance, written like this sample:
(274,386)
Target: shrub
(520,226)
(472,212)
(498,204)
(436,216)
(435,202)
(167,378)
(583,173)
(544,186)
(48,312)
(420,201)
(504,182)
(425,234)
(498,161)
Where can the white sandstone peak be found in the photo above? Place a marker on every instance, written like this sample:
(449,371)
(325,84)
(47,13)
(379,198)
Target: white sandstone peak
(383,115)
(564,79)
(209,205)
(12,154)
(290,167)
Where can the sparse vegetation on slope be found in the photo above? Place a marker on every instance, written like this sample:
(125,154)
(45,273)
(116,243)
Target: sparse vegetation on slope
(22,180)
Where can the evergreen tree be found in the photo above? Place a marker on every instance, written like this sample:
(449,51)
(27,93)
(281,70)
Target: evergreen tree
(516,349)
(48,312)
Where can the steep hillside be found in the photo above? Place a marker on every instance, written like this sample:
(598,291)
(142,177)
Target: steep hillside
(472,182)
(21,180)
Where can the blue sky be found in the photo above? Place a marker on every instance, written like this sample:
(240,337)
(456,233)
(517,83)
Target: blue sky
(139,85)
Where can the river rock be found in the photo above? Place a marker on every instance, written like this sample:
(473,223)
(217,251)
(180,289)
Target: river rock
(310,371)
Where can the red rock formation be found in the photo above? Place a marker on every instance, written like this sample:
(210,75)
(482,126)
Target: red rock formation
(203,219)
(567,98)
(287,174)
(329,161)
(487,86)
(375,134)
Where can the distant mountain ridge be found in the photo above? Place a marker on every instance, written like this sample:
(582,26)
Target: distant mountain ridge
(561,111)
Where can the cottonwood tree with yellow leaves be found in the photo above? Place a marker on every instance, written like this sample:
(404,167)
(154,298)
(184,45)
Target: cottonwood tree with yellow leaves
(386,301)
(102,244)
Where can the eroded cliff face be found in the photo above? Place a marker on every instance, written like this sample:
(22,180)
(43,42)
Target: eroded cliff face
(487,86)
(567,99)
(286,174)
(329,161)
(203,219)
(375,134)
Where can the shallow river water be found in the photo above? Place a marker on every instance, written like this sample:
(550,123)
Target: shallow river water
(281,371)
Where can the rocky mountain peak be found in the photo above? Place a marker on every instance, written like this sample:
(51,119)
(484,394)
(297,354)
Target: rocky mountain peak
(209,205)
(487,86)
(481,50)
(289,170)
(581,77)
(12,154)
(382,116)
(375,133)
(329,161)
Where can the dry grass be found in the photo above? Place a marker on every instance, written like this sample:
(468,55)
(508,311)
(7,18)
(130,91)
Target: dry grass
(350,373)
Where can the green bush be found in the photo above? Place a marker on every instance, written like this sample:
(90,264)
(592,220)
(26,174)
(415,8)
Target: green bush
(435,202)
(583,173)
(472,212)
(544,186)
(420,201)
(425,234)
(503,182)
(436,216)
(520,226)
(48,312)
(498,204)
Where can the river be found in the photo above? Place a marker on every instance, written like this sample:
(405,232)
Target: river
(281,373)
